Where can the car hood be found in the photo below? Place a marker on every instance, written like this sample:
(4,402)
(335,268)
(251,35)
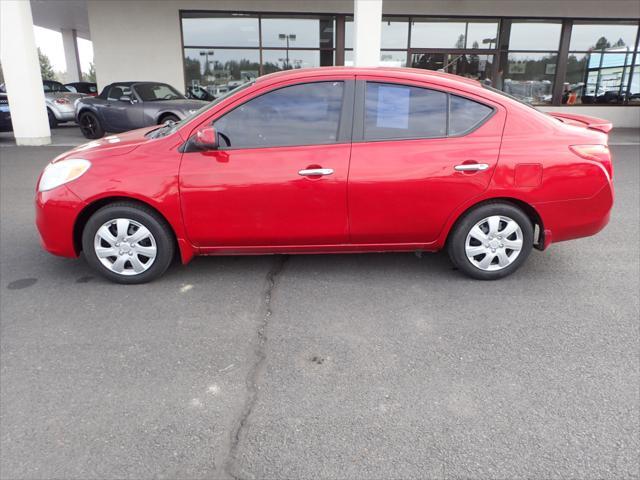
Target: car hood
(113,145)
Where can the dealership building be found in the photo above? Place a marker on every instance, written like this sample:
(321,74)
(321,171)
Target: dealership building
(572,55)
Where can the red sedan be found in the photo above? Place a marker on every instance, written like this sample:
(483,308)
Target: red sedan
(333,160)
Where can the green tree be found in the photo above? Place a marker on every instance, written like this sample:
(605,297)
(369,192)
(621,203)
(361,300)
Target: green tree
(46,69)
(90,76)
(619,43)
(602,43)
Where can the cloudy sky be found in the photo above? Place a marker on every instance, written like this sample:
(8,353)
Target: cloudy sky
(50,43)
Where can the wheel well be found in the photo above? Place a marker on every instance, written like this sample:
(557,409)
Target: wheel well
(84,110)
(529,211)
(165,115)
(92,208)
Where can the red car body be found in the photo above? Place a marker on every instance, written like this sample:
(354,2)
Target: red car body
(391,195)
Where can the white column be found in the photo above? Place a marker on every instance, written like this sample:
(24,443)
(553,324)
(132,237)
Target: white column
(21,70)
(71,56)
(367,25)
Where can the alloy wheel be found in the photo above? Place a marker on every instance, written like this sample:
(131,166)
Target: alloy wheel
(125,246)
(494,243)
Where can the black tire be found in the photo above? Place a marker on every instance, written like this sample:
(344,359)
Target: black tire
(53,121)
(168,118)
(162,234)
(456,244)
(90,125)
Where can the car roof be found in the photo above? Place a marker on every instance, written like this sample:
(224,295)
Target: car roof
(384,71)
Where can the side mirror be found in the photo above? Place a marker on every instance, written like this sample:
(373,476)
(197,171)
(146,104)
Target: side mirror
(205,139)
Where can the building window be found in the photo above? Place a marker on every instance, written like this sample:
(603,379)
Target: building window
(528,69)
(453,34)
(224,50)
(600,64)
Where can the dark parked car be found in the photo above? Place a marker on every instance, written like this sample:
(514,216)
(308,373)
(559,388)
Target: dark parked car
(5,115)
(126,106)
(88,88)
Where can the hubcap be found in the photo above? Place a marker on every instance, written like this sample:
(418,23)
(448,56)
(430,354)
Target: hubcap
(494,243)
(125,246)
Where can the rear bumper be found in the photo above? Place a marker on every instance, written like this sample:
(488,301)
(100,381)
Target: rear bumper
(569,219)
(56,213)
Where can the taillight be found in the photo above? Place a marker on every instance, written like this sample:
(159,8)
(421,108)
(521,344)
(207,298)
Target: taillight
(61,101)
(599,153)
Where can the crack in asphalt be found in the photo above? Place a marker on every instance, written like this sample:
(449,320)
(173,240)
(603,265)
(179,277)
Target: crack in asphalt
(257,367)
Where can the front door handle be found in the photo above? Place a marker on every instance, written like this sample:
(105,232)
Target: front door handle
(471,167)
(315,172)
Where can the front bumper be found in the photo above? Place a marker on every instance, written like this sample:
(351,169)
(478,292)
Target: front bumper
(56,214)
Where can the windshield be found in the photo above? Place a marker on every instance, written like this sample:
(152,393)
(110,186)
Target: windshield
(50,86)
(151,92)
(170,128)
(505,94)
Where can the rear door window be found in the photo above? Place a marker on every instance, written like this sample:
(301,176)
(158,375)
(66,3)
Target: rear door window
(394,112)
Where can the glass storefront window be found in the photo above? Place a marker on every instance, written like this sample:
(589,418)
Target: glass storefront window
(393,59)
(634,88)
(482,35)
(534,36)
(434,33)
(220,70)
(220,30)
(596,78)
(529,76)
(277,60)
(437,34)
(300,32)
(478,67)
(585,37)
(395,32)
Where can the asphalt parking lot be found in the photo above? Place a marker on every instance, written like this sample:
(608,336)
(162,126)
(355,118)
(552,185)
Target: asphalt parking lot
(340,366)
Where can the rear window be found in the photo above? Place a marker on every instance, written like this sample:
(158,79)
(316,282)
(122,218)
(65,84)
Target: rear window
(465,114)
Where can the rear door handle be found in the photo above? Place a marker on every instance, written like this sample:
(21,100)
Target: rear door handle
(471,167)
(314,172)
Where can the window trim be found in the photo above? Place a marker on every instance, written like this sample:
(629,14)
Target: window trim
(359,112)
(345,119)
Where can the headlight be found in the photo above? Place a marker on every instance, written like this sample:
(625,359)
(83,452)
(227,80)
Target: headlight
(64,171)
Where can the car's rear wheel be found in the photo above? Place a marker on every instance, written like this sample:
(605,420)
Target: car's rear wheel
(168,118)
(90,125)
(491,241)
(128,243)
(53,121)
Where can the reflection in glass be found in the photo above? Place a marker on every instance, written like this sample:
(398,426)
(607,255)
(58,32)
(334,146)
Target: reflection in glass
(454,34)
(602,36)
(392,59)
(534,36)
(227,31)
(277,60)
(634,88)
(596,78)
(301,32)
(529,76)
(395,32)
(220,70)
(478,67)
(482,35)
(437,34)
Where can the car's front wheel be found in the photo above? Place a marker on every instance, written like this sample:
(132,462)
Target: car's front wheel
(90,125)
(128,243)
(491,241)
